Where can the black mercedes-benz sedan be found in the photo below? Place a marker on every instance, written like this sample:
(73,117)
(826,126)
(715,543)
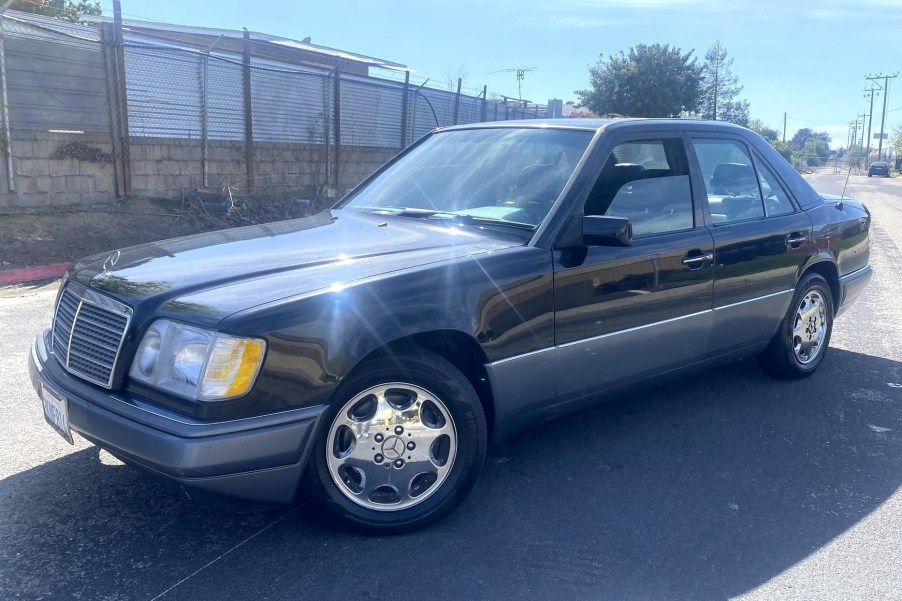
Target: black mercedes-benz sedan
(489,277)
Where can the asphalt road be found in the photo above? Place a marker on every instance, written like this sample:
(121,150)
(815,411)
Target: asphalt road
(728,485)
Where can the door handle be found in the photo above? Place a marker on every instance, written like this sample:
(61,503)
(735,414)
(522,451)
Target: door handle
(698,260)
(795,239)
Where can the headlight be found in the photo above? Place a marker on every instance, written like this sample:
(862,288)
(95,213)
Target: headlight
(196,363)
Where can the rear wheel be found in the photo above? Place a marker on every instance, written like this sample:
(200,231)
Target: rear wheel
(401,446)
(799,346)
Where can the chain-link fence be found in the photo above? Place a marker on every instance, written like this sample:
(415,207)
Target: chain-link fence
(165,116)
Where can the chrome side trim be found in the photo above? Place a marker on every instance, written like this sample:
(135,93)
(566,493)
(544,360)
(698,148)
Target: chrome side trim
(642,327)
(752,300)
(628,330)
(852,273)
(523,356)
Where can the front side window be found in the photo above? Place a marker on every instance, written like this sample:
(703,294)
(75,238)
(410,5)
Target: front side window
(505,176)
(648,182)
(730,180)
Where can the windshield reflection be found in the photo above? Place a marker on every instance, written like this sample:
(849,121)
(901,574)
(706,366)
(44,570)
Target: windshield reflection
(504,175)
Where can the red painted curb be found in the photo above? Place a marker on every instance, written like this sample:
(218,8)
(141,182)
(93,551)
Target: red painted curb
(32,274)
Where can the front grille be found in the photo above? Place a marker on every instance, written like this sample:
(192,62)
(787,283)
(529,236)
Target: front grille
(88,330)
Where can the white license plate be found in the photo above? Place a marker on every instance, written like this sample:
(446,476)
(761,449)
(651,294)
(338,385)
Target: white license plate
(56,412)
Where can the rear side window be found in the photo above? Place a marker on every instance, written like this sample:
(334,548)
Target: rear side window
(730,180)
(776,200)
(647,182)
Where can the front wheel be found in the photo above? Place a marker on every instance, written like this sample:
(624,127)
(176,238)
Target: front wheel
(799,346)
(401,445)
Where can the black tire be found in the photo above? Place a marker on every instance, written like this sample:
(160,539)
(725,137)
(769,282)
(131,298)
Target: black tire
(780,358)
(437,375)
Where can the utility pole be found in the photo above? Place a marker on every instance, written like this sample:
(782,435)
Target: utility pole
(855,125)
(885,79)
(784,127)
(867,155)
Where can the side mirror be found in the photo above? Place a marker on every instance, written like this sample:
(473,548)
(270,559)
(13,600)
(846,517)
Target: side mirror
(600,230)
(582,231)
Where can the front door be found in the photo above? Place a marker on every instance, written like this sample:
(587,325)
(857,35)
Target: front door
(625,313)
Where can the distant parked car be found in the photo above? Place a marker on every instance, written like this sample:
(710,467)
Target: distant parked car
(488,278)
(878,168)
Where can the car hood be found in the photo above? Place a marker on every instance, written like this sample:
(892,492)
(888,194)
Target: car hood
(213,275)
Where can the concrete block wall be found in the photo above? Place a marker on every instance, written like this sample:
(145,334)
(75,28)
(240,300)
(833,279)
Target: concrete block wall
(41,180)
(164,167)
(357,162)
(170,168)
(286,168)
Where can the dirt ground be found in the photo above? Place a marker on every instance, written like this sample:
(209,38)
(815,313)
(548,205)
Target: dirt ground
(30,237)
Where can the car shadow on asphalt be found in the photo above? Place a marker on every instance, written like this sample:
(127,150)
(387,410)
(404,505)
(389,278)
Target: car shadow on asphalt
(704,489)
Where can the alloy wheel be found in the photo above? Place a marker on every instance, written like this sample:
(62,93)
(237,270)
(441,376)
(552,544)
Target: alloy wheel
(391,446)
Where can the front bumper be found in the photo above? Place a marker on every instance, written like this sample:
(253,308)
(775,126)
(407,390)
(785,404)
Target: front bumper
(852,285)
(257,460)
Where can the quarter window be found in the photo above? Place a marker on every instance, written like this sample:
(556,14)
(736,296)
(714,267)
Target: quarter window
(730,180)
(648,182)
(776,200)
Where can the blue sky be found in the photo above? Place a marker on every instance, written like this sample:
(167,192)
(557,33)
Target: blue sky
(808,59)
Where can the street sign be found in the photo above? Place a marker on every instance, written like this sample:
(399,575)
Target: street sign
(881,136)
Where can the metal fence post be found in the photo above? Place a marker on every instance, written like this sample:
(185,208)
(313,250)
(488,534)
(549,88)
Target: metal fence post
(457,102)
(122,99)
(485,100)
(327,131)
(248,118)
(404,102)
(336,100)
(204,102)
(203,120)
(7,141)
(108,45)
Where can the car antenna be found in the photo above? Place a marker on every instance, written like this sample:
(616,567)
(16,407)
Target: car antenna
(846,185)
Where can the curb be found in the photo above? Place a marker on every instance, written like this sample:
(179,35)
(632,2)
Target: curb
(32,274)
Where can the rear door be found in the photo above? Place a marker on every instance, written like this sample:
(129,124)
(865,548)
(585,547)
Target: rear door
(624,313)
(761,240)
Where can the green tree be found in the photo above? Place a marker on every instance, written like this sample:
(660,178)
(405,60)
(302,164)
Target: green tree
(720,89)
(802,136)
(650,81)
(64,10)
(768,133)
(784,149)
(815,152)
(853,155)
(897,138)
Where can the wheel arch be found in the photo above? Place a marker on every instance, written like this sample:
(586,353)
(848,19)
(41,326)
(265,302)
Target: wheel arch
(459,348)
(827,269)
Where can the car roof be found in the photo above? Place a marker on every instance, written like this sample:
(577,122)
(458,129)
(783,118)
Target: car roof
(599,124)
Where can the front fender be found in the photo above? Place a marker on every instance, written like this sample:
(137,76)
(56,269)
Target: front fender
(503,301)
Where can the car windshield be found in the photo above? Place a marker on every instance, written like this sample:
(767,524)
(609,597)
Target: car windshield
(506,176)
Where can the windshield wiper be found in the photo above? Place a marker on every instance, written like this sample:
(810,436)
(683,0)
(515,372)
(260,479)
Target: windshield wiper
(462,218)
